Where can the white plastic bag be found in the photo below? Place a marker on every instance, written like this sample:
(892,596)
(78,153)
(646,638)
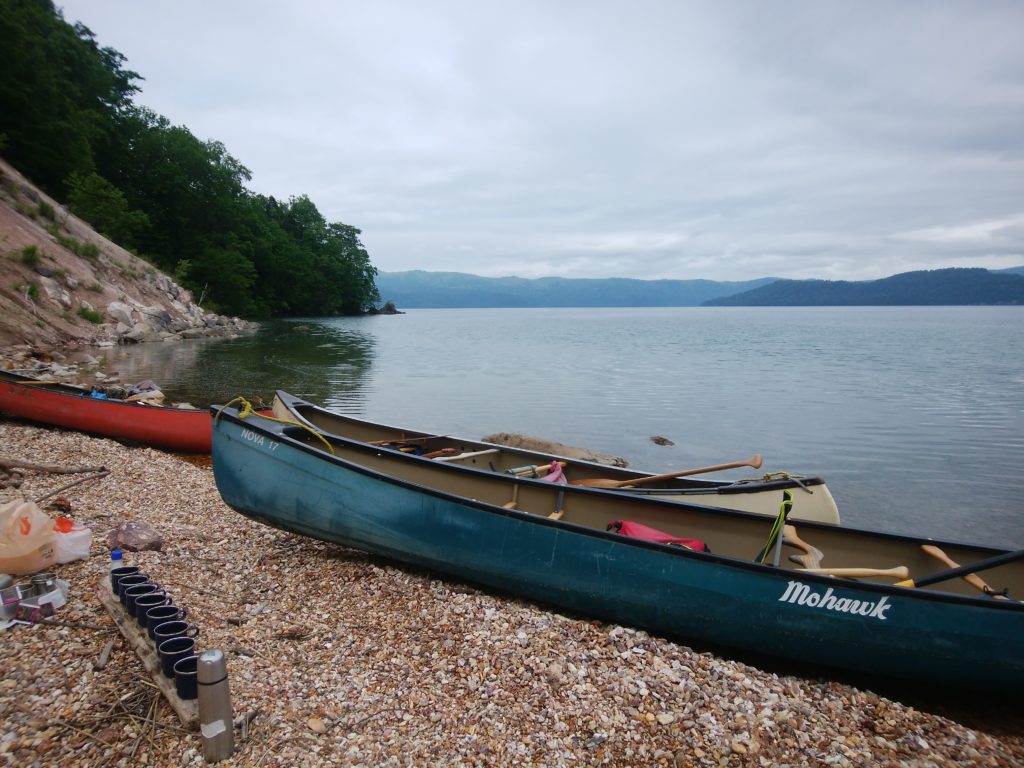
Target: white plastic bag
(26,538)
(71,540)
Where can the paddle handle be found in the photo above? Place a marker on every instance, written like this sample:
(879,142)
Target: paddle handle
(899,572)
(754,462)
(971,578)
(812,557)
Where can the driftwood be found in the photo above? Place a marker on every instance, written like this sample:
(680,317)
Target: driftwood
(138,640)
(10,477)
(9,464)
(101,662)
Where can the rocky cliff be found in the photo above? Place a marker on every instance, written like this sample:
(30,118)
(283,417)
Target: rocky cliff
(64,285)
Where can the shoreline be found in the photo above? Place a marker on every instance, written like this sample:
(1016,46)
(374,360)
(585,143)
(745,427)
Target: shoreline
(350,659)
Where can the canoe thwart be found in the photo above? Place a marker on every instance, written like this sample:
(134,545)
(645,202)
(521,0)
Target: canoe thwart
(467,455)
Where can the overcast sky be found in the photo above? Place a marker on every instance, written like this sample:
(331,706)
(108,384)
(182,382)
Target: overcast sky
(584,138)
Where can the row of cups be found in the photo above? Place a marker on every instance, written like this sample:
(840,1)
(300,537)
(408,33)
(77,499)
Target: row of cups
(175,639)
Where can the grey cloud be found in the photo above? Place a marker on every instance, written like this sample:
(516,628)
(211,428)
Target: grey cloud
(654,139)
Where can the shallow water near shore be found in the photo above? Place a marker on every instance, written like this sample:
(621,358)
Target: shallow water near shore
(914,415)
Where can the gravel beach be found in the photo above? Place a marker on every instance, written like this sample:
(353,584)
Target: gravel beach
(337,657)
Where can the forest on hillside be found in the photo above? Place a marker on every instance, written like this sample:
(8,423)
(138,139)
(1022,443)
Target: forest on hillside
(69,122)
(950,286)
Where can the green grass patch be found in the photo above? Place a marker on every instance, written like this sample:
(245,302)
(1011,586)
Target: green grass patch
(90,314)
(30,255)
(86,250)
(32,290)
(46,210)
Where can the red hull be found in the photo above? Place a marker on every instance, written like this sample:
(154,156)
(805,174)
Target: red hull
(174,429)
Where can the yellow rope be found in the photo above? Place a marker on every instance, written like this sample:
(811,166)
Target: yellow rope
(247,410)
(780,521)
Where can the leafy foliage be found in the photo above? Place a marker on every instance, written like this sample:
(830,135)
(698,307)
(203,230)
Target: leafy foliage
(103,205)
(68,121)
(955,286)
(30,256)
(90,314)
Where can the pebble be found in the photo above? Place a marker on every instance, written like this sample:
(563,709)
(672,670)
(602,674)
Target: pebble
(354,660)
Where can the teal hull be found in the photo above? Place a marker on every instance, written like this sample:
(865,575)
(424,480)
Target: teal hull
(708,599)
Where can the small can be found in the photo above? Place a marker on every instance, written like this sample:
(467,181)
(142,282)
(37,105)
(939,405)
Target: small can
(44,582)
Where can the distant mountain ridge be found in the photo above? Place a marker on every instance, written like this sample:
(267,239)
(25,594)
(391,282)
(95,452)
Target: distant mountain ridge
(953,286)
(419,289)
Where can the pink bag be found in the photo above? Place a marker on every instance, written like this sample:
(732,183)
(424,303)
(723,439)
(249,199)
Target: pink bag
(640,531)
(555,474)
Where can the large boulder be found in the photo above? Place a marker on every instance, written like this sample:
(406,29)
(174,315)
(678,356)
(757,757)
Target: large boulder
(135,536)
(55,292)
(120,312)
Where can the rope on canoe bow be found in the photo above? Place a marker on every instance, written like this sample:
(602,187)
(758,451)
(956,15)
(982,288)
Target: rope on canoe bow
(247,410)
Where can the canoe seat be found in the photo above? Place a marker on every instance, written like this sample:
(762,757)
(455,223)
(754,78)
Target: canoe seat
(640,531)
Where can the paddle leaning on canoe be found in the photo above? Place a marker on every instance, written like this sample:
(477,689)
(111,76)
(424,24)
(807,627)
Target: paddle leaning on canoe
(710,576)
(811,497)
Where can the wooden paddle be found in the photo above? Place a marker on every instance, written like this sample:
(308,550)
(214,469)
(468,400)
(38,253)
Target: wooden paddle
(899,572)
(812,557)
(971,578)
(437,453)
(598,482)
(952,573)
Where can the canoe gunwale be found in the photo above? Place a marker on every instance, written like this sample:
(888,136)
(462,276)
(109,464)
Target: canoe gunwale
(287,435)
(159,426)
(692,484)
(71,391)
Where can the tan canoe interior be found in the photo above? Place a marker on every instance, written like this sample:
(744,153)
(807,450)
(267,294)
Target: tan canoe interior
(813,501)
(731,534)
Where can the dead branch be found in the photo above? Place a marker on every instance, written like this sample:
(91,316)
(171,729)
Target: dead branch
(96,476)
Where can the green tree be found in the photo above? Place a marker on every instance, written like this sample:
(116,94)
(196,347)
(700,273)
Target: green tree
(59,92)
(103,205)
(67,120)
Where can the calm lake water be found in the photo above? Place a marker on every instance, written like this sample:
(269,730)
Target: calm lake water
(914,415)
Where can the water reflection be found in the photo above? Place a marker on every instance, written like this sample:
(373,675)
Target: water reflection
(314,360)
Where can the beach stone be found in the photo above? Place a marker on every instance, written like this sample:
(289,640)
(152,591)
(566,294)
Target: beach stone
(135,536)
(541,445)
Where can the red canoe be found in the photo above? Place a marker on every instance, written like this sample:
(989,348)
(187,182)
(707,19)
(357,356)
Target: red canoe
(64,405)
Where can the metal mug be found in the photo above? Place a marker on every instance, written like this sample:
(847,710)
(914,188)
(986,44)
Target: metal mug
(130,581)
(116,574)
(136,591)
(172,650)
(185,681)
(172,629)
(150,600)
(161,614)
